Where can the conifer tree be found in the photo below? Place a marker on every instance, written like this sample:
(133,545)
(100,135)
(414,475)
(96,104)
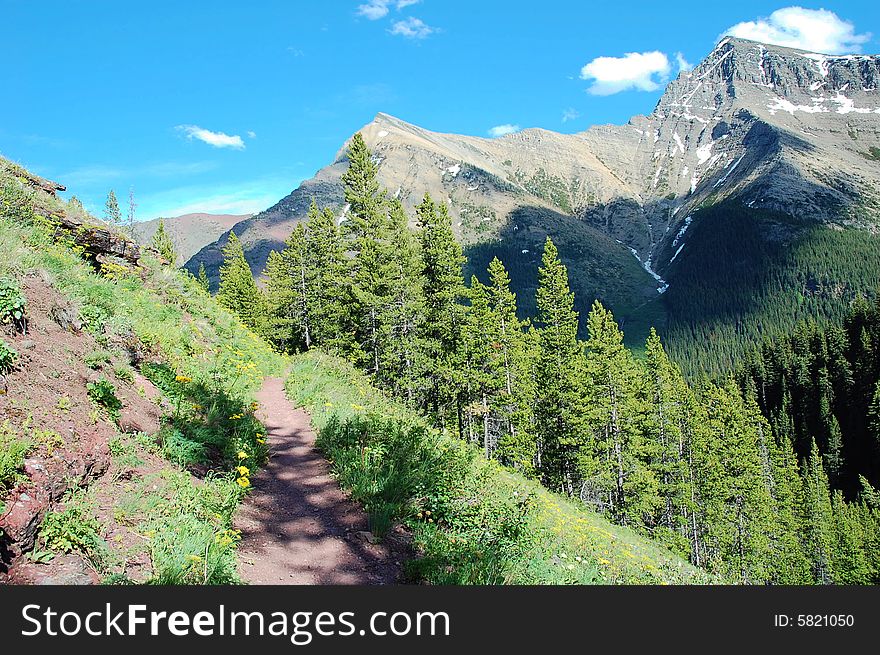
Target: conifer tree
(560,415)
(512,362)
(112,215)
(443,286)
(817,518)
(372,264)
(202,278)
(670,423)
(851,563)
(403,366)
(618,454)
(130,219)
(786,562)
(736,505)
(288,293)
(328,276)
(238,291)
(163,244)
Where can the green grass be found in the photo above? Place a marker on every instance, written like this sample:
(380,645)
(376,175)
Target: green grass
(13,449)
(205,362)
(74,528)
(472,521)
(186,527)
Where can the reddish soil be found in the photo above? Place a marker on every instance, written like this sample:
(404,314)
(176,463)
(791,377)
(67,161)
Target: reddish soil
(297,526)
(47,399)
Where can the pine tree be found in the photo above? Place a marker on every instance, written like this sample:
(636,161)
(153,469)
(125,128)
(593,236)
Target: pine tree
(372,264)
(817,518)
(512,364)
(403,367)
(560,415)
(443,286)
(289,294)
(670,423)
(480,383)
(786,562)
(736,506)
(851,563)
(204,282)
(617,467)
(112,215)
(238,291)
(163,244)
(328,276)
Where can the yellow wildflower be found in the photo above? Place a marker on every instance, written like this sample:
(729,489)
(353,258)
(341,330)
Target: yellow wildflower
(244,483)
(183,379)
(242,454)
(243,471)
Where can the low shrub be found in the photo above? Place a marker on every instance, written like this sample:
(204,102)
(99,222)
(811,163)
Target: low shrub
(103,393)
(12,305)
(75,528)
(8,357)
(13,449)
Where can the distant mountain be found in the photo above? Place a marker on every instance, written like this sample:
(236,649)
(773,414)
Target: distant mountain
(191,232)
(747,198)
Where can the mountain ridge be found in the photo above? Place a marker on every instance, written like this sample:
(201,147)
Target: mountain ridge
(774,129)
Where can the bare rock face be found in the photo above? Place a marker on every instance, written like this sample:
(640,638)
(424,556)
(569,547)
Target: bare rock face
(68,569)
(769,127)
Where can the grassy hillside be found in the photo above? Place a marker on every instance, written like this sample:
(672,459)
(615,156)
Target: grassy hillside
(126,413)
(472,521)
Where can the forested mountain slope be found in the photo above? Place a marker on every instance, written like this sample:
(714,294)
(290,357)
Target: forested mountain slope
(782,143)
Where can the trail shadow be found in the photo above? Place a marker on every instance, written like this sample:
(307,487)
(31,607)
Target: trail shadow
(297,525)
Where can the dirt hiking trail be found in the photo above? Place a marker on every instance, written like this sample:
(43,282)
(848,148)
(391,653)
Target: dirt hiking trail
(297,526)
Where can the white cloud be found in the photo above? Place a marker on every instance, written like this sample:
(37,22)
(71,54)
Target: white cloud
(644,71)
(411,28)
(251,134)
(376,9)
(683,64)
(216,139)
(570,114)
(501,130)
(817,30)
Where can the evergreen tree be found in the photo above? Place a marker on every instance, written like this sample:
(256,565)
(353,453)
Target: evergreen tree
(328,276)
(736,506)
(372,265)
(617,466)
(851,563)
(204,282)
(511,366)
(403,366)
(163,244)
(560,415)
(289,294)
(238,291)
(817,518)
(443,286)
(112,215)
(130,219)
(670,422)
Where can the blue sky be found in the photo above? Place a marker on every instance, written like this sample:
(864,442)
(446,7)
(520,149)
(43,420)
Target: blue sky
(226,106)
